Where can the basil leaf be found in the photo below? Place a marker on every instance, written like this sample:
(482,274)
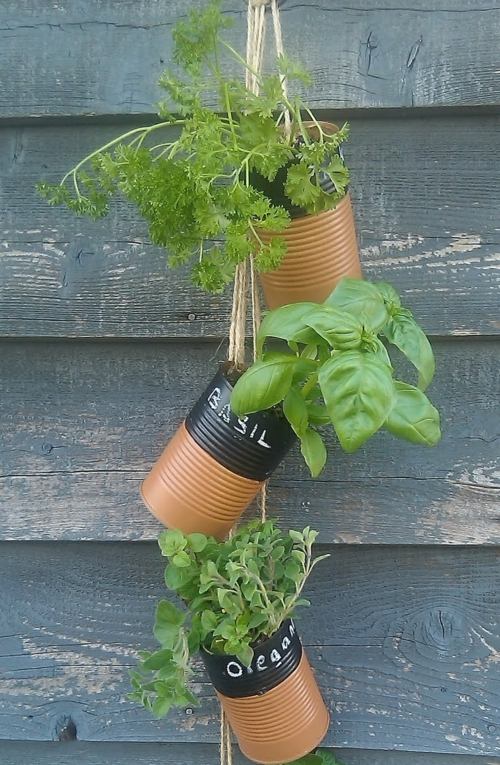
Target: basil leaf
(284,323)
(358,391)
(403,331)
(265,384)
(389,295)
(318,414)
(361,299)
(381,351)
(339,328)
(413,417)
(307,336)
(295,410)
(303,368)
(313,450)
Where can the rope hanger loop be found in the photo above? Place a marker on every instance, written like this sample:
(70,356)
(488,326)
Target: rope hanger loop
(256,31)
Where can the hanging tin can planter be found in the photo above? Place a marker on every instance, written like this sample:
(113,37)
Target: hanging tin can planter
(274,707)
(216,463)
(321,248)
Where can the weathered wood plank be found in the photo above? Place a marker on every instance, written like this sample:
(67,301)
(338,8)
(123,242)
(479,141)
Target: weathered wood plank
(94,57)
(82,422)
(427,200)
(103,753)
(405,642)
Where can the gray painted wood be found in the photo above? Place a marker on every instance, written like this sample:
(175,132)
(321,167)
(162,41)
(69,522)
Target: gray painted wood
(426,197)
(83,422)
(406,640)
(94,57)
(405,643)
(93,753)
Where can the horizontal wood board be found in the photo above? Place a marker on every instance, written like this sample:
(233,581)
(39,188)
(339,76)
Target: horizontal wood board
(427,203)
(97,753)
(405,640)
(405,643)
(82,423)
(95,57)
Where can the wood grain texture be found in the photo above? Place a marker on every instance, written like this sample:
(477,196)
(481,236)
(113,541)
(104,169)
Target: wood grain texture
(426,197)
(83,422)
(405,643)
(94,57)
(99,753)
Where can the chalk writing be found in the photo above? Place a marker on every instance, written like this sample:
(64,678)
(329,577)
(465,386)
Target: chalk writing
(263,661)
(242,425)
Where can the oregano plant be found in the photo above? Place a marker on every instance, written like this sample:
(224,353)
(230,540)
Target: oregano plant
(236,593)
(320,757)
(337,370)
(196,190)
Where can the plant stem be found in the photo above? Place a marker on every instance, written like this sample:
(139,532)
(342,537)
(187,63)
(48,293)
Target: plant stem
(241,59)
(230,115)
(254,232)
(146,130)
(316,123)
(309,385)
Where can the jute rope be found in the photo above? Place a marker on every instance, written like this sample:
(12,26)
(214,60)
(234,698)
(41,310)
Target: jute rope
(236,351)
(226,750)
(256,32)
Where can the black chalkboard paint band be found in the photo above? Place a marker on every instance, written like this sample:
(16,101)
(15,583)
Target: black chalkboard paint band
(252,446)
(274,660)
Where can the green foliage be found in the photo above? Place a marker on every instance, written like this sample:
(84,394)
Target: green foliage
(358,391)
(320,757)
(235,592)
(270,379)
(412,416)
(361,299)
(337,370)
(195,190)
(404,332)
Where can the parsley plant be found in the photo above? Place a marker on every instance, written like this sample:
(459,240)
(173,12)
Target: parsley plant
(195,190)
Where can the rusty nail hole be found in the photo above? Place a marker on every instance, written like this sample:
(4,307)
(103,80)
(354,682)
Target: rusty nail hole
(65,729)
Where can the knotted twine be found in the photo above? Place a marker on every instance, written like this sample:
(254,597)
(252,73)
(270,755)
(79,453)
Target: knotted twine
(256,32)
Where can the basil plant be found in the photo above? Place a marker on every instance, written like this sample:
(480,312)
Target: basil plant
(336,370)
